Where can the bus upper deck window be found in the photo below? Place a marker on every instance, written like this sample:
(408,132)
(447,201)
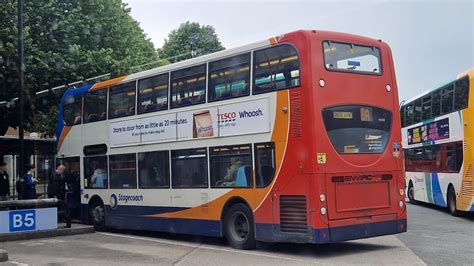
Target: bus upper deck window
(229,77)
(72,110)
(95,106)
(122,100)
(461,93)
(188,86)
(348,57)
(153,94)
(276,68)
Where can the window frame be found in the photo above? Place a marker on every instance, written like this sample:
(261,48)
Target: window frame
(250,76)
(123,87)
(349,71)
(211,155)
(170,85)
(255,163)
(106,107)
(253,70)
(110,170)
(138,103)
(84,173)
(81,120)
(168,164)
(173,172)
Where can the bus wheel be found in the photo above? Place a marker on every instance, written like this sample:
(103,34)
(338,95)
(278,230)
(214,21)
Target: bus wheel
(97,215)
(239,227)
(452,201)
(411,193)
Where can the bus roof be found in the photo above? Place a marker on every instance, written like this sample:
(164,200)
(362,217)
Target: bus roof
(469,72)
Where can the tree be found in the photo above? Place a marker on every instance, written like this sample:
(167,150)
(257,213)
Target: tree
(189,37)
(66,41)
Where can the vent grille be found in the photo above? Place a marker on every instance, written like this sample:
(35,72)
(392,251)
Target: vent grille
(469,171)
(465,145)
(296,118)
(466,189)
(293,214)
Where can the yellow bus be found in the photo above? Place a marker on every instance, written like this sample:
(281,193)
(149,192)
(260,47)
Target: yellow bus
(438,137)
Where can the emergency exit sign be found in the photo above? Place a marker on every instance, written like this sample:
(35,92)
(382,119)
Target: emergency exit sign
(28,220)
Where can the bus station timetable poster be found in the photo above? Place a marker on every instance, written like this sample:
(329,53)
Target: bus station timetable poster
(436,130)
(227,120)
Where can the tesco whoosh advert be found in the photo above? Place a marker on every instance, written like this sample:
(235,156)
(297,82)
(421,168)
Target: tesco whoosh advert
(248,117)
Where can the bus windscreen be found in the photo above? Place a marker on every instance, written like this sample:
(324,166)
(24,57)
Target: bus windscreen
(357,129)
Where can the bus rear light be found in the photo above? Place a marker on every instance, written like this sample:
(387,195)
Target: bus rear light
(322,83)
(402,192)
(388,88)
(400,204)
(322,198)
(323,211)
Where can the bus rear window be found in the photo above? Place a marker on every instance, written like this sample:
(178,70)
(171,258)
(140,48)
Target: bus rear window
(357,129)
(348,57)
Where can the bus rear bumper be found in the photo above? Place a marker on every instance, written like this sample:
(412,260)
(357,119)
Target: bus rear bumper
(359,231)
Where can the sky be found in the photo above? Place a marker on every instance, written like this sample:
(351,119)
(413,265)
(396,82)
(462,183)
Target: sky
(432,41)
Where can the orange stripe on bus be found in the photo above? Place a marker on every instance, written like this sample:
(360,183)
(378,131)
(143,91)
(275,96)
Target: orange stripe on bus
(107,83)
(64,133)
(273,40)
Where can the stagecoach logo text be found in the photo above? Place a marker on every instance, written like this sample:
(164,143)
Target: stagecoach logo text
(114,200)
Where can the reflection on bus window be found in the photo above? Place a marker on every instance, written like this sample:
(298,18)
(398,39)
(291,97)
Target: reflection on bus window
(154,169)
(153,94)
(229,77)
(188,86)
(264,164)
(349,57)
(417,112)
(461,93)
(440,158)
(122,100)
(231,166)
(276,68)
(72,110)
(447,99)
(426,107)
(189,168)
(95,172)
(123,172)
(95,106)
(436,103)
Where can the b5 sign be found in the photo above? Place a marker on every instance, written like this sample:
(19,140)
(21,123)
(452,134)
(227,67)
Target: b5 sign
(24,220)
(28,220)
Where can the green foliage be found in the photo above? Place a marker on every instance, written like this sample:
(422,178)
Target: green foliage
(66,41)
(190,36)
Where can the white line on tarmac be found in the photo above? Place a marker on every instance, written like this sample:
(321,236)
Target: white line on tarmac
(202,246)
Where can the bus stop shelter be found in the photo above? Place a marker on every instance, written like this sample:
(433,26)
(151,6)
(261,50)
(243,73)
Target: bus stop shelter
(40,152)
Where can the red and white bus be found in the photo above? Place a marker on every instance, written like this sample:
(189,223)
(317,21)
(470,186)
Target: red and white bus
(291,139)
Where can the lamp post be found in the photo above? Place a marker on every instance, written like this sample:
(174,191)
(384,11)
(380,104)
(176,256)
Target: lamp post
(21,97)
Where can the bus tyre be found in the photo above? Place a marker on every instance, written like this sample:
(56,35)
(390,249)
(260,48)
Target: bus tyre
(239,227)
(452,202)
(411,193)
(97,216)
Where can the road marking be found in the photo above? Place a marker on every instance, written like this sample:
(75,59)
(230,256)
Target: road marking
(202,246)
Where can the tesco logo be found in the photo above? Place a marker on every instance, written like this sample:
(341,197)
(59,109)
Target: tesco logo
(227,116)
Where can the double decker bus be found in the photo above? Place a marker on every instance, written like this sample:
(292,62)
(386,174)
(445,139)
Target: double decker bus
(437,144)
(291,139)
